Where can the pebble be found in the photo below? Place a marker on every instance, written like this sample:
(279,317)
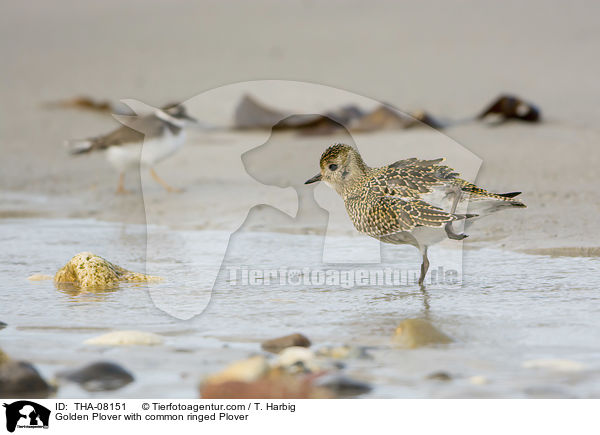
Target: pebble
(21,379)
(247,370)
(414,333)
(278,344)
(343,352)
(98,376)
(282,388)
(126,338)
(90,271)
(298,359)
(561,365)
(440,376)
(342,386)
(479,380)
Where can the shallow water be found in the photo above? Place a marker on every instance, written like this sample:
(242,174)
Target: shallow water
(510,308)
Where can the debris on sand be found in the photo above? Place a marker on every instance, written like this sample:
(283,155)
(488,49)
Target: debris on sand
(21,379)
(512,107)
(126,338)
(276,345)
(252,114)
(414,333)
(82,102)
(89,271)
(98,376)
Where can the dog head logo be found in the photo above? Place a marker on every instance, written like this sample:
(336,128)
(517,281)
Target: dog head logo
(26,414)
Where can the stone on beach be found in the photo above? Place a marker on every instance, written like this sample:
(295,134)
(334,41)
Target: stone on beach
(342,386)
(21,379)
(247,370)
(297,359)
(283,388)
(98,376)
(343,352)
(276,345)
(254,378)
(126,338)
(478,380)
(89,271)
(414,333)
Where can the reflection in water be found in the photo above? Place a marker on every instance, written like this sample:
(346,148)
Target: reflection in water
(426,305)
(77,294)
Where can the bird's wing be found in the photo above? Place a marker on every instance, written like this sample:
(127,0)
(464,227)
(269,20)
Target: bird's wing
(135,132)
(384,215)
(120,136)
(411,178)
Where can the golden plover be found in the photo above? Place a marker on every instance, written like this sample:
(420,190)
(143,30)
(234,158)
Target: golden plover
(161,134)
(411,201)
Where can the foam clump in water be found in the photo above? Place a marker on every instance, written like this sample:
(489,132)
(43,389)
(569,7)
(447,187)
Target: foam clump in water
(87,270)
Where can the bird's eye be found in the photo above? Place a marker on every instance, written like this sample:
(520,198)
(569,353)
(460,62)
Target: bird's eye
(332,167)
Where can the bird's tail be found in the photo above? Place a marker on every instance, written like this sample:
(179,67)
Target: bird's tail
(79,146)
(509,198)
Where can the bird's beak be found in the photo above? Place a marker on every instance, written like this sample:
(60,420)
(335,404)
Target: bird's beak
(313,179)
(189,118)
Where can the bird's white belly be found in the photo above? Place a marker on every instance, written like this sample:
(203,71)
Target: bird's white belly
(155,150)
(124,157)
(152,151)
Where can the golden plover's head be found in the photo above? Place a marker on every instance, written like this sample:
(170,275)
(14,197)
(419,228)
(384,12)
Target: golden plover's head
(340,166)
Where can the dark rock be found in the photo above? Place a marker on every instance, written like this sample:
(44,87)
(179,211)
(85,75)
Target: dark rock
(276,345)
(99,376)
(21,379)
(3,325)
(342,386)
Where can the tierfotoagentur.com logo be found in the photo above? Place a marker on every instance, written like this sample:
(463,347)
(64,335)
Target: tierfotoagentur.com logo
(25,414)
(344,278)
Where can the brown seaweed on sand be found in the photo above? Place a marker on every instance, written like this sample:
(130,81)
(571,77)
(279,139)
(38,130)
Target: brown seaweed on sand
(512,107)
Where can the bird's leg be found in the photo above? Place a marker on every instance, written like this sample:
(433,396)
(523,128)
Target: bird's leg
(162,182)
(121,187)
(424,266)
(448,227)
(451,234)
